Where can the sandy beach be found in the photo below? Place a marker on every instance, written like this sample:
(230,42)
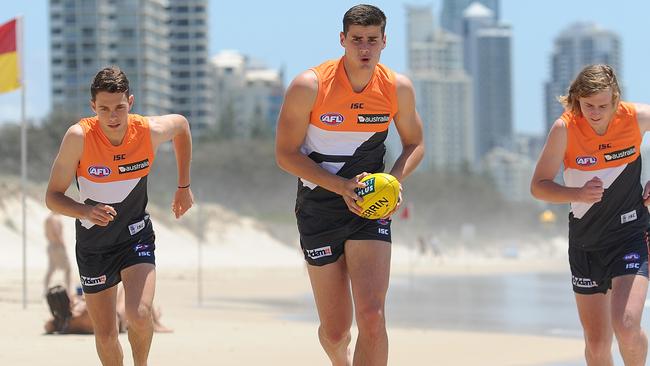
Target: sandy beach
(243,321)
(245,313)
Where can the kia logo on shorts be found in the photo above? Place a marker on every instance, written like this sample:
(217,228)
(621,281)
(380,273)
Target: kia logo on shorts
(332,119)
(631,257)
(99,171)
(586,160)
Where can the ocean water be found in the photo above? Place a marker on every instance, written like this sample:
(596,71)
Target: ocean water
(517,303)
(520,303)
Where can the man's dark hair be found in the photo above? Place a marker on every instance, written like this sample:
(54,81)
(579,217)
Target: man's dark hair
(364,15)
(110,79)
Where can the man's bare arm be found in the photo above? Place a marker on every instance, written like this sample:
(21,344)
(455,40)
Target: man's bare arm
(63,171)
(409,127)
(293,123)
(175,127)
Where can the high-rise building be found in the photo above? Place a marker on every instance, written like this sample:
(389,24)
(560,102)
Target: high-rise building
(86,36)
(487,59)
(578,45)
(443,91)
(511,173)
(451,16)
(248,95)
(190,69)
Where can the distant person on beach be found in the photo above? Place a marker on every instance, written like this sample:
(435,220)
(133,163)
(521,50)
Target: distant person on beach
(331,132)
(74,319)
(109,156)
(57,257)
(598,142)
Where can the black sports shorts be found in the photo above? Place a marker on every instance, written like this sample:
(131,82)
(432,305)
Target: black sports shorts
(323,237)
(100,267)
(592,271)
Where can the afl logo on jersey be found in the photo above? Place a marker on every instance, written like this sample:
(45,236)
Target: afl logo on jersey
(99,171)
(586,160)
(332,119)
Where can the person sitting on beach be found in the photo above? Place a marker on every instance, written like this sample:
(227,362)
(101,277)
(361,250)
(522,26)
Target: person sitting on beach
(68,316)
(71,316)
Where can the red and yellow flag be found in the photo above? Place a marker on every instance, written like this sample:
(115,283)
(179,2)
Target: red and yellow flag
(9,69)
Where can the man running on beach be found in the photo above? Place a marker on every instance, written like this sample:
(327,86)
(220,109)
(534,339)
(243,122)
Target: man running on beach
(110,156)
(597,141)
(331,133)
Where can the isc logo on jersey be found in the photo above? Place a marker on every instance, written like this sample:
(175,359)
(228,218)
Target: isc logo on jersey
(99,171)
(332,119)
(586,160)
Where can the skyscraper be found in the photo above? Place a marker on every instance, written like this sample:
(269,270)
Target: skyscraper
(88,35)
(487,59)
(578,45)
(443,91)
(190,69)
(451,16)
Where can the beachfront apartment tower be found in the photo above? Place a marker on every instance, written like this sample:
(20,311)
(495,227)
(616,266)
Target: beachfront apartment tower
(443,91)
(451,16)
(488,61)
(578,45)
(248,95)
(86,36)
(189,62)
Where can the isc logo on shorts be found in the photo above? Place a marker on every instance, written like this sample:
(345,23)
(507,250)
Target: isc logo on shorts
(319,252)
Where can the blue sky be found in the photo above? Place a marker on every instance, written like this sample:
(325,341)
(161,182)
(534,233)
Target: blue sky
(298,34)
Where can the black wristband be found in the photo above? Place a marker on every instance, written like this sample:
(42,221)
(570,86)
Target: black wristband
(181,187)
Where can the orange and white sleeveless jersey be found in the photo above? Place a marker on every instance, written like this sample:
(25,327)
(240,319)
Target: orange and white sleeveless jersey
(347,129)
(116,176)
(615,158)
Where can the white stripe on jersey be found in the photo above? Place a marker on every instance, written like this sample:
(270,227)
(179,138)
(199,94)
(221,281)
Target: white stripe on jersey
(330,167)
(578,178)
(333,142)
(107,193)
(341,143)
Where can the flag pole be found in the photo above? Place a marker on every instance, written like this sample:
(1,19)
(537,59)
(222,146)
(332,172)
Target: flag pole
(23,151)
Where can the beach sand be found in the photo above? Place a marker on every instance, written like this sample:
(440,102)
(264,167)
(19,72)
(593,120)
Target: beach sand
(244,320)
(247,311)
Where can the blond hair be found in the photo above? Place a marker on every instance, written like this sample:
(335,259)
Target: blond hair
(593,79)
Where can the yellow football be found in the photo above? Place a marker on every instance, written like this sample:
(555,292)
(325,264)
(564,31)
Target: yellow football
(379,196)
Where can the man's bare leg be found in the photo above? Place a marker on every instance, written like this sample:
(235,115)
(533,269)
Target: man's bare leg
(331,287)
(139,288)
(101,308)
(594,311)
(628,298)
(368,263)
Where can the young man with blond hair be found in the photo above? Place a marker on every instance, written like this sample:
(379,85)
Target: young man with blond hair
(598,141)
